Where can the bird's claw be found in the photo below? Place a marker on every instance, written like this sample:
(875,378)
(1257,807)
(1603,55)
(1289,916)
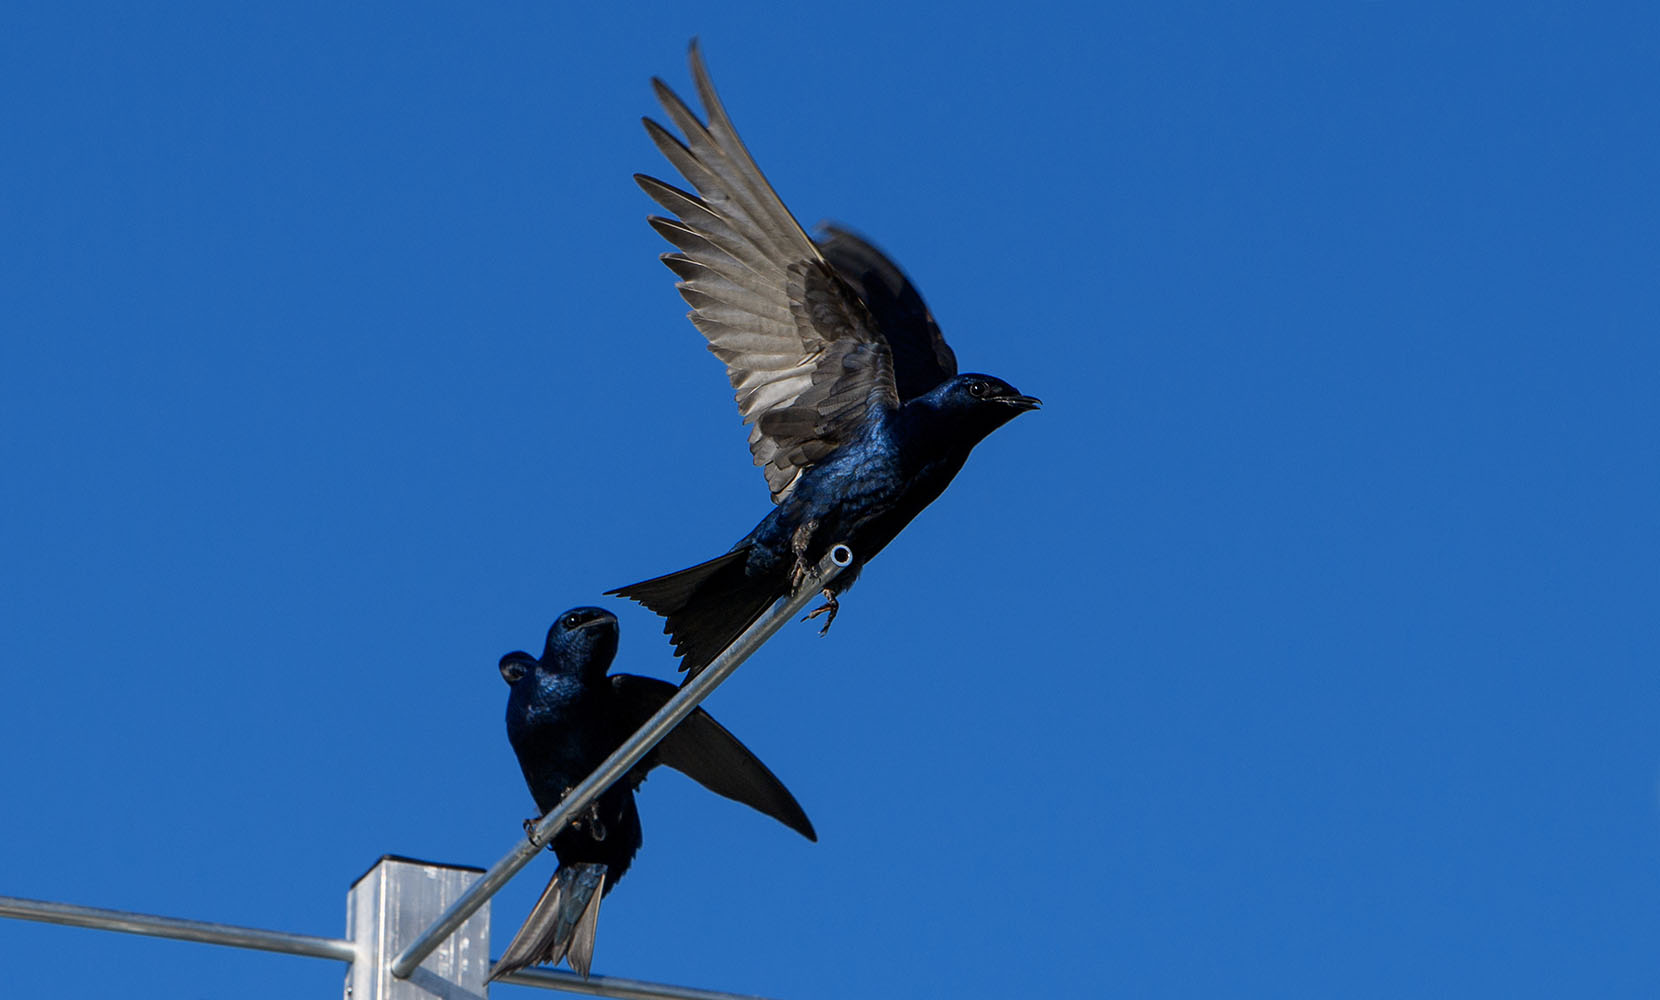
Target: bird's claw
(830,606)
(799,542)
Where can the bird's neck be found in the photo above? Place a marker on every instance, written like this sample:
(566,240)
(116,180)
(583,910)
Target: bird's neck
(943,429)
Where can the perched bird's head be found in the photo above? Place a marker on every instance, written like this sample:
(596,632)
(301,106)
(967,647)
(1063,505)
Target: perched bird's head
(582,641)
(515,665)
(983,402)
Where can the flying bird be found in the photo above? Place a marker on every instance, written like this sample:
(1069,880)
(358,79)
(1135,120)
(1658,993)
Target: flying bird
(564,717)
(858,416)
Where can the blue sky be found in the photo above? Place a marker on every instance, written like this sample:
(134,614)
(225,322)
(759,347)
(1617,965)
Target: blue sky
(1303,645)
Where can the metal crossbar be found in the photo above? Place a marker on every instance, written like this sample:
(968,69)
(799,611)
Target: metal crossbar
(611,986)
(258,939)
(626,756)
(173,927)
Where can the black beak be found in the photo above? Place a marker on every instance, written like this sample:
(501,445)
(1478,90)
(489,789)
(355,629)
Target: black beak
(1022,403)
(604,619)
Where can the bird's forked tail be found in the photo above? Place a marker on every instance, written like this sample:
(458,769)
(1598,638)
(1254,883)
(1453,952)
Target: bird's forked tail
(706,606)
(561,925)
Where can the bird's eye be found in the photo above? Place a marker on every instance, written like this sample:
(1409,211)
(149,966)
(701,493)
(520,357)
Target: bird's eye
(978,389)
(571,621)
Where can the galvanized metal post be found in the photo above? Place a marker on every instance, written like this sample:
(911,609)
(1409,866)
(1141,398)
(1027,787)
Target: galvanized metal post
(389,907)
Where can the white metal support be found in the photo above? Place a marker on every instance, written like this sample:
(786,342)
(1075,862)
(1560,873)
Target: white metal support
(392,904)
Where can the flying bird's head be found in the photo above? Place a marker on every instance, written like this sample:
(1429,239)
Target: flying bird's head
(582,641)
(982,402)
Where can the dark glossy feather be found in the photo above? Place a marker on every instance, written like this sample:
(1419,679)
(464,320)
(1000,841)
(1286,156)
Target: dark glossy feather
(565,715)
(859,418)
(921,357)
(704,751)
(707,606)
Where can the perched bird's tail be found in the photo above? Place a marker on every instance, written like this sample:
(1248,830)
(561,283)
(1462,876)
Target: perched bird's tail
(707,606)
(561,924)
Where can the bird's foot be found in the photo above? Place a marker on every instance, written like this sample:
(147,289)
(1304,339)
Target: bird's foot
(830,606)
(799,541)
(596,826)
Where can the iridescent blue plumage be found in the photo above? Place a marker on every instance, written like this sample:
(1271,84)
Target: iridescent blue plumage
(565,716)
(858,417)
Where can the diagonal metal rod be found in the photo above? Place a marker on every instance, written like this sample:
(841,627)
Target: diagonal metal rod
(173,927)
(611,986)
(626,756)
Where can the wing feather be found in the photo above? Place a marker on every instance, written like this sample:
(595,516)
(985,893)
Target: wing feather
(921,357)
(806,360)
(705,751)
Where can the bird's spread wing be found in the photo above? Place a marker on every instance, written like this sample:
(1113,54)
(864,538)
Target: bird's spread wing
(704,751)
(805,357)
(921,357)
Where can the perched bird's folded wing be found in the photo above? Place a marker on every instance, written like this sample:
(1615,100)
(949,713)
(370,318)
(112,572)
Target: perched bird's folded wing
(704,751)
(805,357)
(921,357)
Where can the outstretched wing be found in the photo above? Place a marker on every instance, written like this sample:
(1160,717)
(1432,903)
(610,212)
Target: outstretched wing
(804,355)
(704,751)
(921,357)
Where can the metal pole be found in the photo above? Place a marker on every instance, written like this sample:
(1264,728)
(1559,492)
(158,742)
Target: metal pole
(610,986)
(837,559)
(396,900)
(173,927)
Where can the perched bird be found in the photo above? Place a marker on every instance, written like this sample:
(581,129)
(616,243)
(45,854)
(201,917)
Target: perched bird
(858,416)
(564,717)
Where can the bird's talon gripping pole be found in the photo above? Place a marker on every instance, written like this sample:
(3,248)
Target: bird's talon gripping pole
(626,756)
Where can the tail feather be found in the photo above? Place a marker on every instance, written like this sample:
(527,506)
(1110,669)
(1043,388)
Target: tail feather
(706,606)
(580,953)
(561,925)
